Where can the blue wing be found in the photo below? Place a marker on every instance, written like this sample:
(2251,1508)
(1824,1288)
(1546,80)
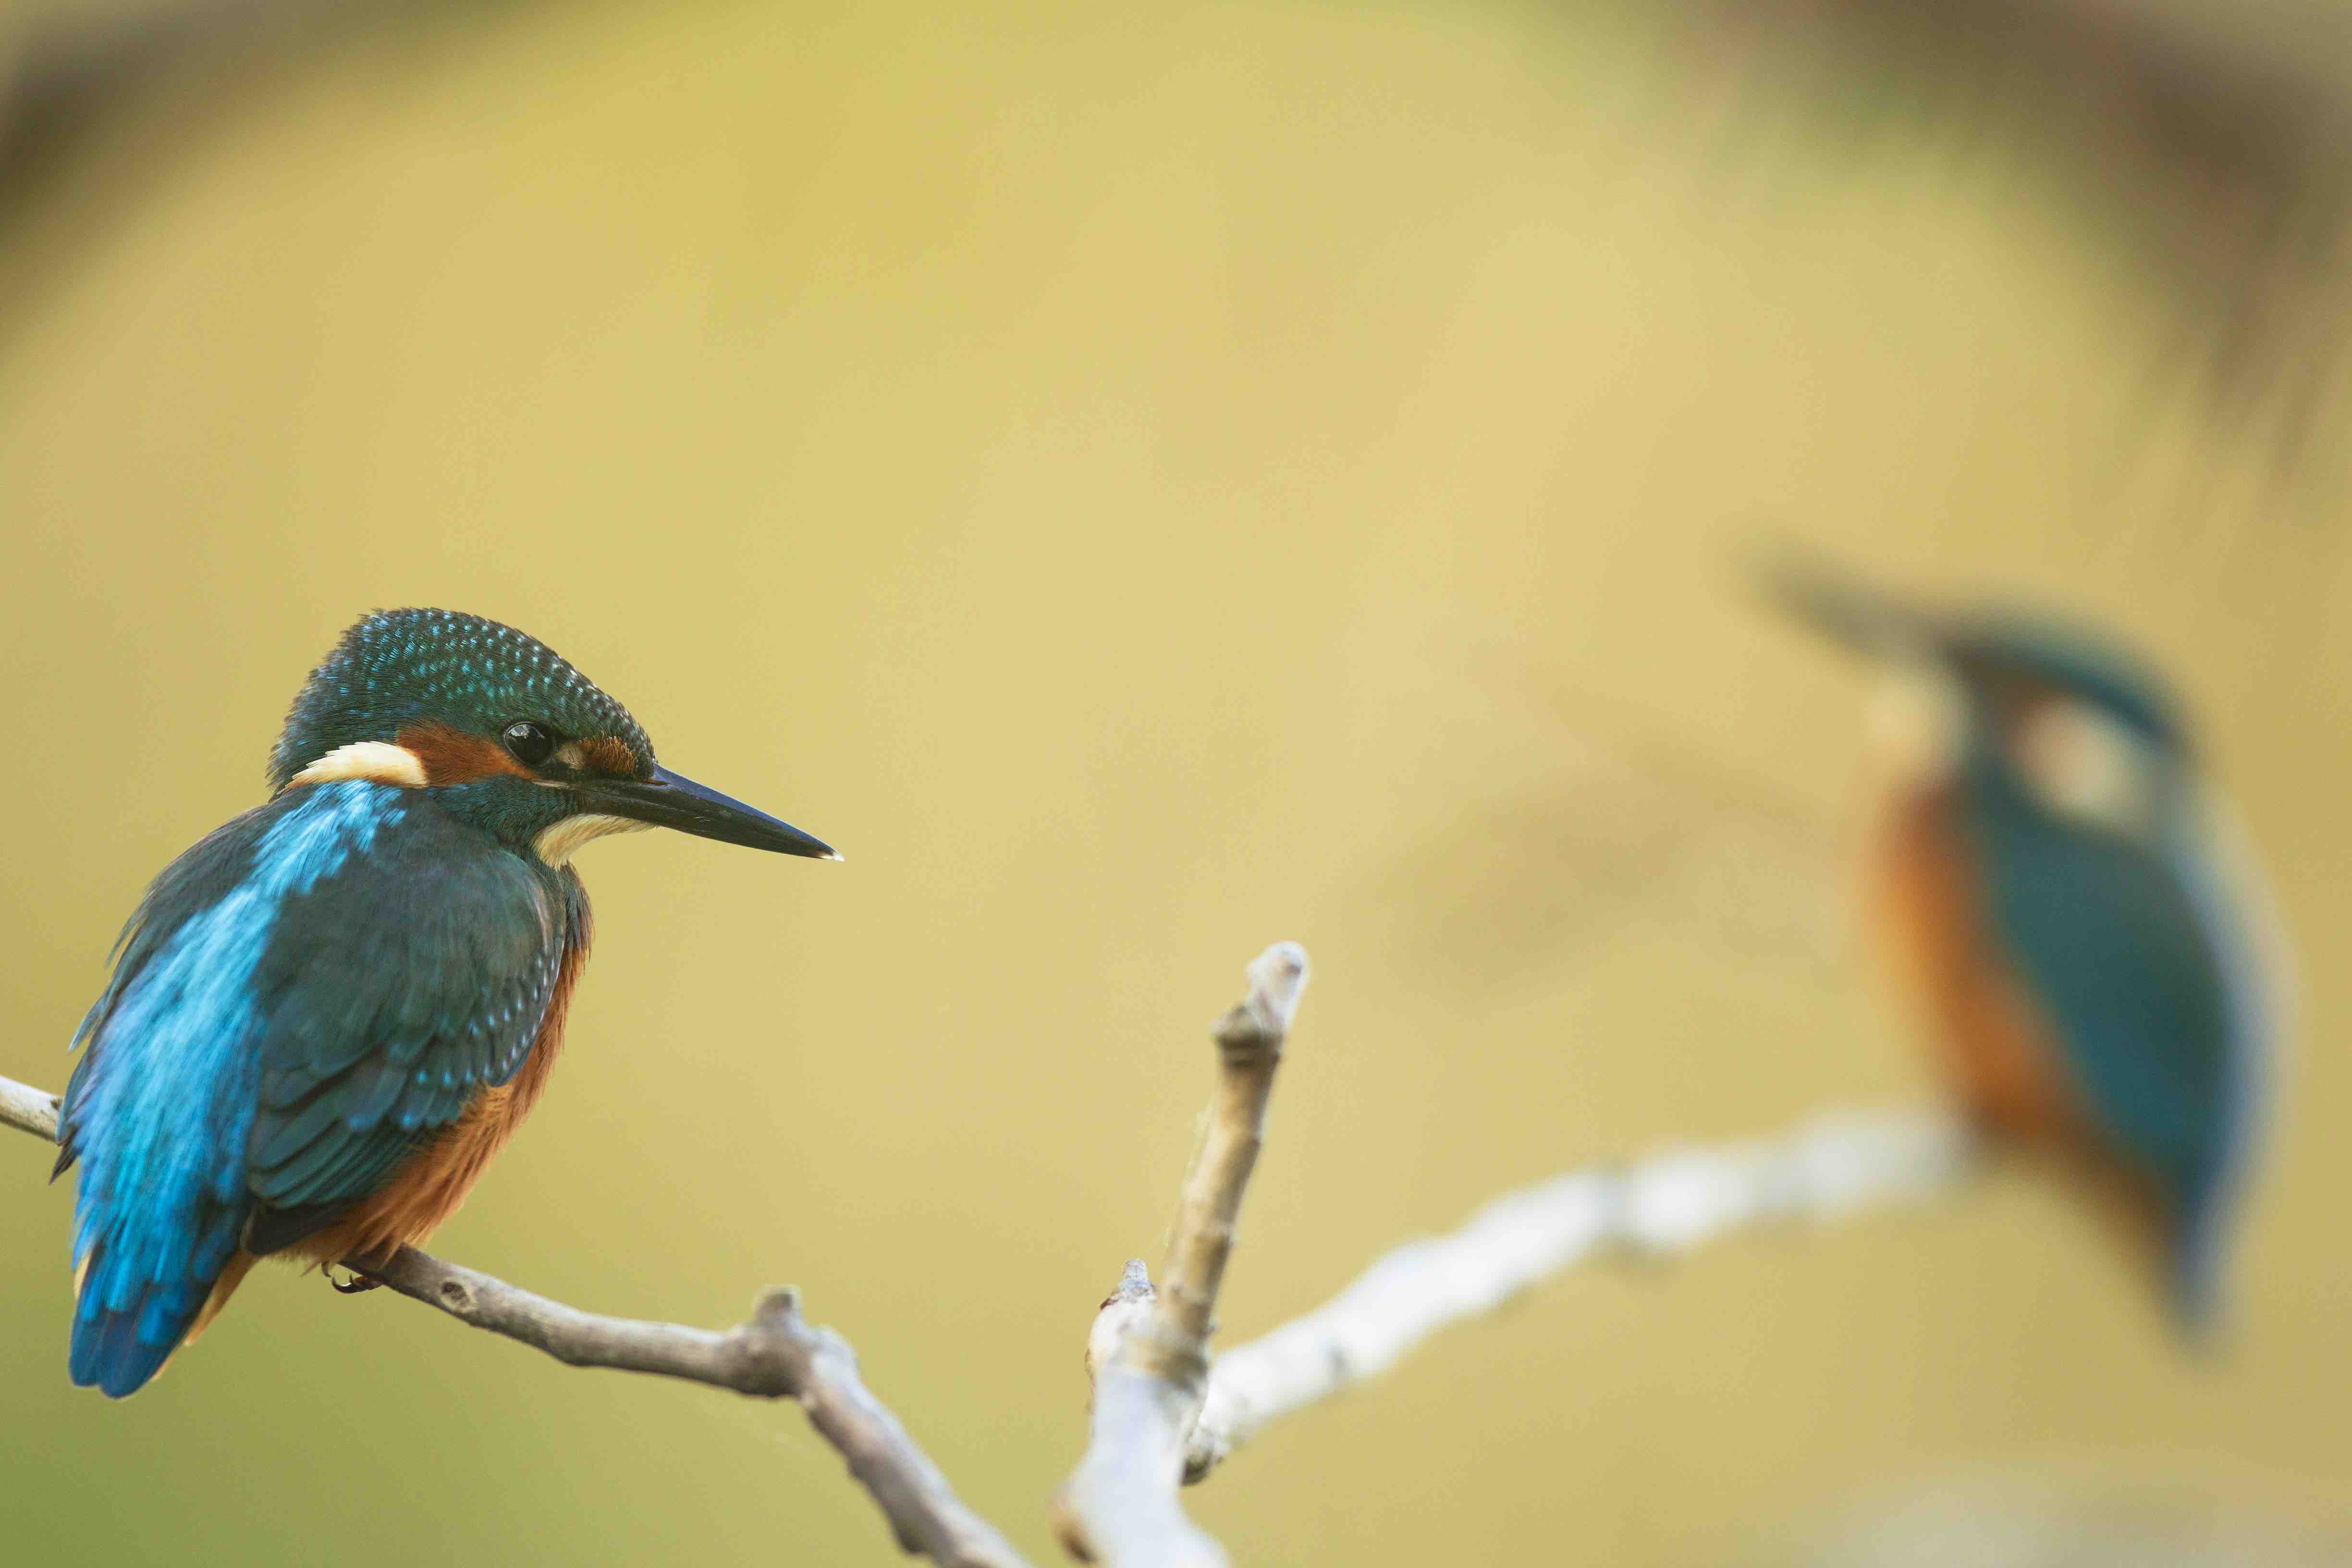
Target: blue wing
(402,989)
(301,998)
(2140,959)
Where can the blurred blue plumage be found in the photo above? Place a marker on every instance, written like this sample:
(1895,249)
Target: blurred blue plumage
(2085,942)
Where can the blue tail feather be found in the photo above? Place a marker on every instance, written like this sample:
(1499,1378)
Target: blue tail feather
(162,1106)
(137,1304)
(2194,1272)
(117,1348)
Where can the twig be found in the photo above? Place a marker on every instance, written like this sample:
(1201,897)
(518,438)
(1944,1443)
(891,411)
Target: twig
(776,1356)
(1661,1206)
(28,1110)
(1150,1355)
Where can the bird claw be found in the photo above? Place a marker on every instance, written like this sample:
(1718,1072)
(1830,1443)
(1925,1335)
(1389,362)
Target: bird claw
(356,1285)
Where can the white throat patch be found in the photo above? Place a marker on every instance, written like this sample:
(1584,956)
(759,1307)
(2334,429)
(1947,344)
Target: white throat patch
(1918,717)
(558,844)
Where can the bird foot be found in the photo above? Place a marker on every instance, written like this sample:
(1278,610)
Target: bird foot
(357,1284)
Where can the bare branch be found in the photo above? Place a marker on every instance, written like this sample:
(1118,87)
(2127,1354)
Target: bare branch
(1162,1415)
(776,1356)
(1661,1206)
(1150,1353)
(28,1110)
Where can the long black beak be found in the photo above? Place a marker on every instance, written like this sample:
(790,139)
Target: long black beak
(670,800)
(1860,618)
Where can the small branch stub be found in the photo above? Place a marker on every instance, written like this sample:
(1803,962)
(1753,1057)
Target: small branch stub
(1254,1029)
(1126,1310)
(1150,1352)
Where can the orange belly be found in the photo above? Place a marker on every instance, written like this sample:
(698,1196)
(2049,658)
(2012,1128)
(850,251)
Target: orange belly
(433,1185)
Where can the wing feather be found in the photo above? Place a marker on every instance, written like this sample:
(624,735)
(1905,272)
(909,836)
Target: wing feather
(2141,958)
(399,988)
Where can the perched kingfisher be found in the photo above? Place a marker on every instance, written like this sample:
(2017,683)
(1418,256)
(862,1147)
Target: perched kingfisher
(328,1016)
(2090,948)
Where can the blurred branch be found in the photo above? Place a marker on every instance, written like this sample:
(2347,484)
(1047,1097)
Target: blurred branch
(2207,138)
(1661,1206)
(1150,1354)
(64,57)
(776,1356)
(160,68)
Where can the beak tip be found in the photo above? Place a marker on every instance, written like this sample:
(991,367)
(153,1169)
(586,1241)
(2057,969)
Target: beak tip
(670,800)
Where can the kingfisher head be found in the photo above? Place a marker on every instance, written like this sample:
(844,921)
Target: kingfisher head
(506,732)
(2086,729)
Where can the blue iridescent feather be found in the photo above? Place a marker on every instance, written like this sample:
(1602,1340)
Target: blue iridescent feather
(306,998)
(169,1052)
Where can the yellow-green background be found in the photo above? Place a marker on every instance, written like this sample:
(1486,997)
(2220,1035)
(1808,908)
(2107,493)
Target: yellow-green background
(1144,483)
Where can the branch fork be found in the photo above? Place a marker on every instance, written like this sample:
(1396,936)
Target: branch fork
(1149,1350)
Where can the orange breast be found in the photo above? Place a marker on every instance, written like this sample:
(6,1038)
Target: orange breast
(433,1185)
(1991,1041)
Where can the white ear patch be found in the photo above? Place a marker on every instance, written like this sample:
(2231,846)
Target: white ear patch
(2079,763)
(379,761)
(558,844)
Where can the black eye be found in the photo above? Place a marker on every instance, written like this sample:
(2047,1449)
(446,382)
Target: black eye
(531,744)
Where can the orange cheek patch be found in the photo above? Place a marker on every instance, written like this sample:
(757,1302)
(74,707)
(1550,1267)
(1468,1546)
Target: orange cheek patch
(453,757)
(608,754)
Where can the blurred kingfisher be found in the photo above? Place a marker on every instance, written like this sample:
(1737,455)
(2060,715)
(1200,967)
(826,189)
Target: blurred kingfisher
(328,1016)
(2089,945)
